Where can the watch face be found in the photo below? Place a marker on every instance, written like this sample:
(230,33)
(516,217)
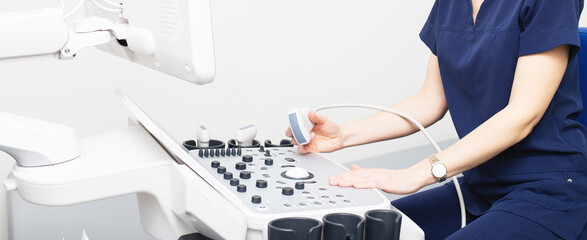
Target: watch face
(438,170)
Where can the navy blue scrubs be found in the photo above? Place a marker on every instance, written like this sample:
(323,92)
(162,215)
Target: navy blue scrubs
(538,186)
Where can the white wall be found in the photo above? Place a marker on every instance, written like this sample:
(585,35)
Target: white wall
(271,55)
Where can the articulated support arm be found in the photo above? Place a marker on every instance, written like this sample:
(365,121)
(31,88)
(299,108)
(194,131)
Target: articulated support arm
(44,33)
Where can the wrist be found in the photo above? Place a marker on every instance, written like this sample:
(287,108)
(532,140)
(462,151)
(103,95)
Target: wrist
(346,136)
(421,171)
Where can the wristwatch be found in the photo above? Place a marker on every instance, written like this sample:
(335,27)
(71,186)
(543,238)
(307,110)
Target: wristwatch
(438,169)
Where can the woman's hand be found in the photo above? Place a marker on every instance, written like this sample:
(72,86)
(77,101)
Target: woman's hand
(403,181)
(326,136)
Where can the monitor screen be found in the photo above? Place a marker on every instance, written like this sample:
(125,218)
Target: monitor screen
(171,36)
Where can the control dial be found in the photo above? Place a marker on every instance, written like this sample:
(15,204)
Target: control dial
(297,173)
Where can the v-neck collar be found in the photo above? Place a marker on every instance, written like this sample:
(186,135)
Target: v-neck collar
(475,19)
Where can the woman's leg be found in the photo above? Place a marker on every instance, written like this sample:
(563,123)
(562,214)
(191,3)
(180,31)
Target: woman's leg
(503,225)
(436,211)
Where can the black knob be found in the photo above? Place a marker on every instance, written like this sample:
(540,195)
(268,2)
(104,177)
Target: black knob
(215,164)
(268,161)
(287,191)
(245,175)
(241,166)
(300,185)
(241,188)
(227,175)
(234,182)
(247,158)
(261,183)
(239,151)
(206,152)
(261,149)
(217,152)
(267,153)
(223,152)
(201,153)
(256,199)
(221,170)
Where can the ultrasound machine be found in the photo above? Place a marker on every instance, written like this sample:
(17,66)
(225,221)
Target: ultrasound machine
(196,189)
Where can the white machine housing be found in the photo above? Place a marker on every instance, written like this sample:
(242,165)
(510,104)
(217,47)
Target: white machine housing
(175,38)
(175,197)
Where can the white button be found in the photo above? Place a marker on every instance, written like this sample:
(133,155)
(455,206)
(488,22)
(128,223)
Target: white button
(297,172)
(569,180)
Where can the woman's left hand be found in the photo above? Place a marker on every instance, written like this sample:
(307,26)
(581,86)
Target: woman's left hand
(401,181)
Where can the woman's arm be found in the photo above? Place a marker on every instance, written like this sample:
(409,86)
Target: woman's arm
(536,80)
(427,106)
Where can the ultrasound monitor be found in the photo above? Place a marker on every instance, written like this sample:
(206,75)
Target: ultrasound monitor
(171,36)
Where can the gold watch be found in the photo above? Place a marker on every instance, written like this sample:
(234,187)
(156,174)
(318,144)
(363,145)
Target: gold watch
(438,169)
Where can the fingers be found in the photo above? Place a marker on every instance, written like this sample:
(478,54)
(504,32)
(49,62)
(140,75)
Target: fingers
(358,177)
(317,119)
(303,149)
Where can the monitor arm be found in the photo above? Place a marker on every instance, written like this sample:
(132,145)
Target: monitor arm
(45,34)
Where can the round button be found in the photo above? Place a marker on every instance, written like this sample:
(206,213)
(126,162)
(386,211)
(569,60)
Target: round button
(234,182)
(245,175)
(261,183)
(299,185)
(287,191)
(241,188)
(247,158)
(241,166)
(268,161)
(256,199)
(215,164)
(227,175)
(297,173)
(221,170)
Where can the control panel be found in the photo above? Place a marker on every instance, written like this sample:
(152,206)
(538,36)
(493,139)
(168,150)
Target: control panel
(281,180)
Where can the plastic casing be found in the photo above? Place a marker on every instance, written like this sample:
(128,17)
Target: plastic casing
(21,33)
(181,32)
(175,197)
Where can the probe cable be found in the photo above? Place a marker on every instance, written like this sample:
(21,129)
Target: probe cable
(422,129)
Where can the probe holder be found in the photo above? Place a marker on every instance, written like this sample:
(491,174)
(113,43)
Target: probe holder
(343,226)
(232,144)
(295,228)
(382,224)
(191,144)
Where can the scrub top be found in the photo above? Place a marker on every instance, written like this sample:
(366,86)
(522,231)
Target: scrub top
(543,177)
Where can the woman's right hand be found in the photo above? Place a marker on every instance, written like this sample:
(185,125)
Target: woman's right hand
(326,136)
